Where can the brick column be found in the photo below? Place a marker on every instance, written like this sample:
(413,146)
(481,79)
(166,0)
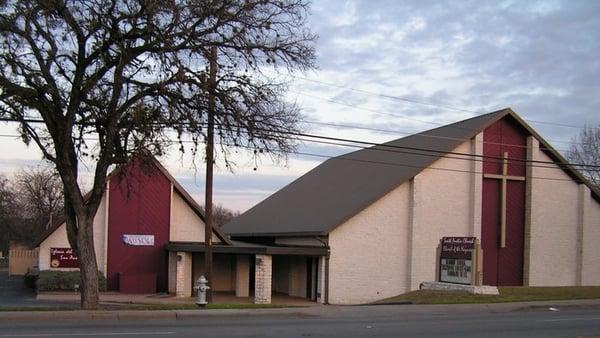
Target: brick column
(262,279)
(242,276)
(184,275)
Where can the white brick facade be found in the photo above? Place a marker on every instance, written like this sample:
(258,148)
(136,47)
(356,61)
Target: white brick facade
(389,247)
(184,275)
(263,279)
(58,239)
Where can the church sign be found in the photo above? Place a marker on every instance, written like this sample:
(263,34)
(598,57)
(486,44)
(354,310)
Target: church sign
(138,240)
(456,260)
(63,258)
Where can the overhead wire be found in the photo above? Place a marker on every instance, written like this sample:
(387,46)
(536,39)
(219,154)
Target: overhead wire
(387,145)
(416,151)
(425,103)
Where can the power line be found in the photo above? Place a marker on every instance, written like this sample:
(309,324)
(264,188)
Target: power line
(347,158)
(426,152)
(438,152)
(413,101)
(392,114)
(338,125)
(418,167)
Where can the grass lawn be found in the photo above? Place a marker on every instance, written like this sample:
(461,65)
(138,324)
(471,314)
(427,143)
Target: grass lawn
(507,294)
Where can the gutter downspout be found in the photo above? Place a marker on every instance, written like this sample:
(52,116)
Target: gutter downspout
(326,302)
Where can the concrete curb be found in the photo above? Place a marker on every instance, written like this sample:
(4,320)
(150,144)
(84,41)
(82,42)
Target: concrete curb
(324,311)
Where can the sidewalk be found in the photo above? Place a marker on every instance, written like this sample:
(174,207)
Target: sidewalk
(302,312)
(155,299)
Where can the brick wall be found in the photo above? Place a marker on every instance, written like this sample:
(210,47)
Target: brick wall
(263,278)
(184,275)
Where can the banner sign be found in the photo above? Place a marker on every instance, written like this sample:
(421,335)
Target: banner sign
(63,258)
(139,240)
(456,265)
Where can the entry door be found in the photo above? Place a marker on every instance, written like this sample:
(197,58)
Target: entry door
(503,266)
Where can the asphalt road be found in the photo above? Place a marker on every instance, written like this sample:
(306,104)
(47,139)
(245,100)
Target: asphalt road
(359,321)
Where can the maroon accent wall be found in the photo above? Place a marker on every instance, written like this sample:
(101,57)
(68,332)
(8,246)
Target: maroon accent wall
(139,204)
(503,266)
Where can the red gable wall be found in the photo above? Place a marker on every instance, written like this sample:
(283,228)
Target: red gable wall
(503,266)
(139,204)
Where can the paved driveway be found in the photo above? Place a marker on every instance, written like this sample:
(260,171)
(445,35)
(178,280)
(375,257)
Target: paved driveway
(13,292)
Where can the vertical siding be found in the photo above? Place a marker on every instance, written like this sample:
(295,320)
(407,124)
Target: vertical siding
(139,204)
(503,266)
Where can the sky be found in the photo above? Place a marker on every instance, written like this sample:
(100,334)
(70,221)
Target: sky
(407,66)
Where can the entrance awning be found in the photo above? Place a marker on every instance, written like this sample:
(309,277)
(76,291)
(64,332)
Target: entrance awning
(238,247)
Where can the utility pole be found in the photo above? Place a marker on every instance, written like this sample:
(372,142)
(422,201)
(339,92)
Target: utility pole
(208,207)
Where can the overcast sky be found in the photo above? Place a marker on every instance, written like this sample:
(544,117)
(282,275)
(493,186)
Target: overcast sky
(405,68)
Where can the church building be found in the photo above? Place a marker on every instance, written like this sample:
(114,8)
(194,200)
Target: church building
(363,226)
(149,238)
(382,211)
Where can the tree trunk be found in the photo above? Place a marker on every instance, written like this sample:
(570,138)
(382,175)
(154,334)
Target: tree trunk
(88,266)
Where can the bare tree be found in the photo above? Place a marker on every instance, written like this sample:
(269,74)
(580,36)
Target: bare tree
(132,75)
(585,149)
(7,210)
(40,195)
(222,215)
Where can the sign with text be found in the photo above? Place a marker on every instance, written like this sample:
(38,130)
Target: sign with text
(63,258)
(456,260)
(139,240)
(457,247)
(456,270)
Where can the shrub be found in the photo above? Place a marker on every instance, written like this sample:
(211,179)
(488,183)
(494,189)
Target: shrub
(30,279)
(50,280)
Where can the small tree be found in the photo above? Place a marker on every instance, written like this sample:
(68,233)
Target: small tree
(585,149)
(133,75)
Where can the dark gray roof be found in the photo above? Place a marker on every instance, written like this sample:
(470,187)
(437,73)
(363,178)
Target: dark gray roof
(339,188)
(245,248)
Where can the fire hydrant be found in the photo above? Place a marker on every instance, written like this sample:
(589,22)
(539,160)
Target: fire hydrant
(201,288)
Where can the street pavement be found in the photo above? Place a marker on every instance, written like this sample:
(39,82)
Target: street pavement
(476,320)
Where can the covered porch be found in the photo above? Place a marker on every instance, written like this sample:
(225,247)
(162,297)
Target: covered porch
(259,273)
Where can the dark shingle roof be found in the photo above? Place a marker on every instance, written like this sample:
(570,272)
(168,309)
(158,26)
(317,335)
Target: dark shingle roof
(339,188)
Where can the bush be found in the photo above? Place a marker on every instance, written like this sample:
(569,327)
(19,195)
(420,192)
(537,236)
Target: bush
(50,280)
(30,279)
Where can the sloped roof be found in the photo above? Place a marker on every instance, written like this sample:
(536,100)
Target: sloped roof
(176,187)
(327,196)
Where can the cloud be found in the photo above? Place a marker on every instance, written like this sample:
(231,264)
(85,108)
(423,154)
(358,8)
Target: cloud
(443,61)
(538,57)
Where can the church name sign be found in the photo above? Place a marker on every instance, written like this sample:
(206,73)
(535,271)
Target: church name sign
(456,260)
(63,258)
(138,240)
